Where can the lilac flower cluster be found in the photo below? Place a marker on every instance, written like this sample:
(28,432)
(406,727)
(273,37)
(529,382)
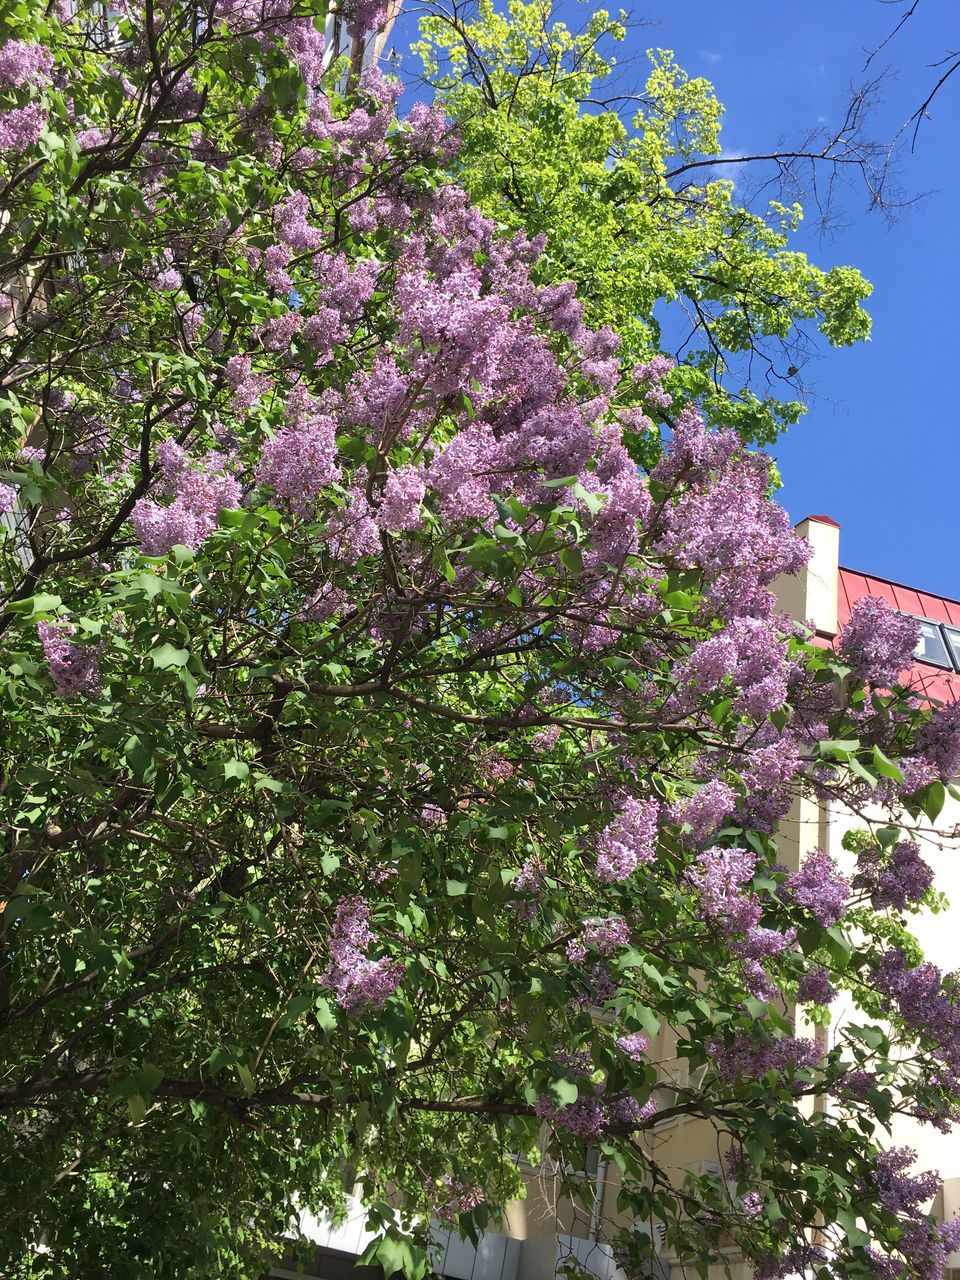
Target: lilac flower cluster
(22,64)
(819,887)
(628,842)
(634,1045)
(8,497)
(939,741)
(815,987)
(400,505)
(704,812)
(290,220)
(73,668)
(20,127)
(927,1003)
(358,981)
(893,880)
(924,1243)
(718,879)
(592,1115)
(530,881)
(878,642)
(300,461)
(751,1057)
(602,935)
(201,488)
(454,1197)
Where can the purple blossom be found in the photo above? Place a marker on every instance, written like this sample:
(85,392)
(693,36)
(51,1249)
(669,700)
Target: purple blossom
(274,263)
(22,63)
(815,987)
(878,642)
(300,461)
(73,668)
(201,488)
(896,1189)
(820,888)
(718,879)
(454,1198)
(400,506)
(939,741)
(358,981)
(704,811)
(246,386)
(305,45)
(634,1045)
(279,331)
(605,933)
(544,740)
(8,497)
(364,16)
(628,1113)
(291,223)
(587,1117)
(895,880)
(20,127)
(751,1058)
(628,842)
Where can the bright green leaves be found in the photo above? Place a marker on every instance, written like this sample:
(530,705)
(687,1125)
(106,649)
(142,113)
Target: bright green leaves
(621,217)
(166,655)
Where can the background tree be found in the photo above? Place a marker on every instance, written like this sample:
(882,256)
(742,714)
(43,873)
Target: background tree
(373,718)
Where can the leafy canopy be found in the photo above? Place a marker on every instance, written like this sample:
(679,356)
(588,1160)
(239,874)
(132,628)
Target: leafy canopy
(391,762)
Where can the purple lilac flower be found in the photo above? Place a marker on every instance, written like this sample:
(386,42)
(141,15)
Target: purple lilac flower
(73,668)
(400,506)
(22,63)
(815,987)
(603,934)
(820,888)
(628,842)
(627,1113)
(291,223)
(300,461)
(634,1045)
(939,741)
(718,879)
(454,1198)
(358,981)
(750,1057)
(20,127)
(705,811)
(587,1117)
(8,497)
(893,882)
(878,642)
(201,489)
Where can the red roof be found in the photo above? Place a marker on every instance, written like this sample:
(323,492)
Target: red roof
(933,681)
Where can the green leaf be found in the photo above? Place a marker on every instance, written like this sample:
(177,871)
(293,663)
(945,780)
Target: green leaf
(565,1091)
(167,655)
(932,799)
(885,766)
(456,888)
(326,1018)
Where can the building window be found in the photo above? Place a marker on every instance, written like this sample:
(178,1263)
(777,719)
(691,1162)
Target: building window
(933,646)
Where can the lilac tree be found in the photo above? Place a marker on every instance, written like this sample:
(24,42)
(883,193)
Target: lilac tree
(374,719)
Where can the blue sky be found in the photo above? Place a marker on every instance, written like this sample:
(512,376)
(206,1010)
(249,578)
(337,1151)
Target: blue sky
(879,448)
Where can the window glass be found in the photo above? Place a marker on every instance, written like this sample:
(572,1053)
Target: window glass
(932,647)
(953,639)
